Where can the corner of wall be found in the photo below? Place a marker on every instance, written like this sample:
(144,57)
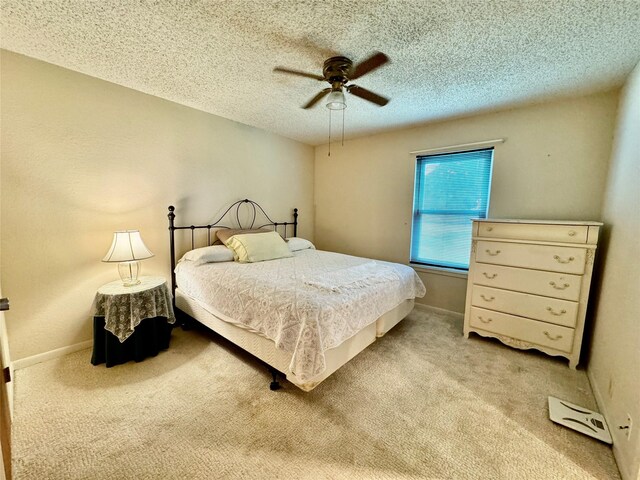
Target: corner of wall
(615,343)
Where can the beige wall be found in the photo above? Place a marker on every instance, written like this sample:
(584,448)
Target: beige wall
(614,366)
(553,165)
(82,158)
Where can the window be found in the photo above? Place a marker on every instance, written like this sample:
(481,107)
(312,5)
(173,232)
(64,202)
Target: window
(450,190)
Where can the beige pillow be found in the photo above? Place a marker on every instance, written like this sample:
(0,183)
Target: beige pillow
(225,234)
(250,248)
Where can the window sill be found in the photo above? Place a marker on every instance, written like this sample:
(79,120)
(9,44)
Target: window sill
(448,272)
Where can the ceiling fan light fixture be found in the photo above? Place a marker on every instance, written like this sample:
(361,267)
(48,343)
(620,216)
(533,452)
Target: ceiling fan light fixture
(336,100)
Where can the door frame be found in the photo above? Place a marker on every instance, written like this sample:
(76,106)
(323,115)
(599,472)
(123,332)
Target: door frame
(6,395)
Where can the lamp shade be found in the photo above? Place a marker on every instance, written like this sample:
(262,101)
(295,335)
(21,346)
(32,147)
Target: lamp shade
(336,100)
(127,246)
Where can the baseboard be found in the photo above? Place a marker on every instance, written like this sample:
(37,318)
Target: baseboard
(429,308)
(43,357)
(617,453)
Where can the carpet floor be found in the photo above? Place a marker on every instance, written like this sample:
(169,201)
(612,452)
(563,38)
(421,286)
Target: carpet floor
(420,403)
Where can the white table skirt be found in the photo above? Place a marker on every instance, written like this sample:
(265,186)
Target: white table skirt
(125,307)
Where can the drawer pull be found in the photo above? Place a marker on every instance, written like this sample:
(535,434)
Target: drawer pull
(572,233)
(489,229)
(493,254)
(559,287)
(557,314)
(548,335)
(560,260)
(490,277)
(487,299)
(488,320)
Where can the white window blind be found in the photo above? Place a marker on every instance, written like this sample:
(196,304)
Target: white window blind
(450,190)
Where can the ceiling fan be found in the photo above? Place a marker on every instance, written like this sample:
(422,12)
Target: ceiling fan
(338,72)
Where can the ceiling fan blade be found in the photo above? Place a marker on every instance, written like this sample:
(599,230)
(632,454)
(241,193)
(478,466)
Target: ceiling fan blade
(317,98)
(367,95)
(376,60)
(298,72)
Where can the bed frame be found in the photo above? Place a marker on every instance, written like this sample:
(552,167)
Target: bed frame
(188,309)
(253,208)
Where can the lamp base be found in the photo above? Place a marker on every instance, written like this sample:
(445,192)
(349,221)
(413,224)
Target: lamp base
(129,273)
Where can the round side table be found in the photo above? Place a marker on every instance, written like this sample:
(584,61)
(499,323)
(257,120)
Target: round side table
(131,323)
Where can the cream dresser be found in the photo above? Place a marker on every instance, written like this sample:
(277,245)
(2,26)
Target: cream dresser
(529,283)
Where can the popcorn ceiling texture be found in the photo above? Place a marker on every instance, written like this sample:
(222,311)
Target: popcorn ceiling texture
(449,58)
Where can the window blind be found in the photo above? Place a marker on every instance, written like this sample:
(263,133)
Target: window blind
(450,190)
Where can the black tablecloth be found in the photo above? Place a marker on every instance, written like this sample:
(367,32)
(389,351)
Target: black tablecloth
(149,338)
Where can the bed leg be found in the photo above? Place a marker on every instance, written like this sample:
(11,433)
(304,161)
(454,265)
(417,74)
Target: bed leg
(274,385)
(183,320)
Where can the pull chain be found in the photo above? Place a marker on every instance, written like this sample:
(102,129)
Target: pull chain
(342,140)
(329,133)
(343,126)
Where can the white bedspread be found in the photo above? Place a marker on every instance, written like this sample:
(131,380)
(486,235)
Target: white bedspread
(306,304)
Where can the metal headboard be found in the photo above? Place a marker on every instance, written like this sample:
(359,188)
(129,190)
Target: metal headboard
(253,209)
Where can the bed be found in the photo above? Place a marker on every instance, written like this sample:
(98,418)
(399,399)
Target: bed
(304,315)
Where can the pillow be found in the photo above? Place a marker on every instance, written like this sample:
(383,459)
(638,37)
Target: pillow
(214,253)
(249,248)
(225,234)
(297,243)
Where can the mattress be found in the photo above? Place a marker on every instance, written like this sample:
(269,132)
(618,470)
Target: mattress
(306,304)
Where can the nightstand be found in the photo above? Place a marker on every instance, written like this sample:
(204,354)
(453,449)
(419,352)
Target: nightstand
(132,323)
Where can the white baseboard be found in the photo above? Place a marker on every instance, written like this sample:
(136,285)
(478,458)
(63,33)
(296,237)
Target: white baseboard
(429,308)
(617,453)
(43,357)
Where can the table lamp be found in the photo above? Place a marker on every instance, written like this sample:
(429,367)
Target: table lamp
(128,248)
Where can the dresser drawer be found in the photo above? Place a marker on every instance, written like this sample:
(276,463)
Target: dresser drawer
(558,285)
(532,331)
(539,257)
(537,232)
(552,310)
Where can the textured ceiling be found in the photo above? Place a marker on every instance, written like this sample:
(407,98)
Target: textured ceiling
(449,57)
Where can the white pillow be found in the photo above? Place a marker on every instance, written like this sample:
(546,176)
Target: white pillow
(214,253)
(297,243)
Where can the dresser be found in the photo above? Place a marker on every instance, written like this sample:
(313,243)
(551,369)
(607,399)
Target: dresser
(528,283)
